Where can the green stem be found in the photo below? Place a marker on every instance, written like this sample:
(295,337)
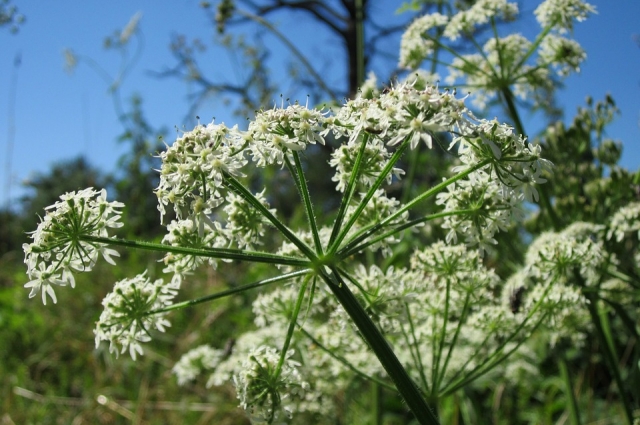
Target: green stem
(237,187)
(292,324)
(454,340)
(301,184)
(352,248)
(416,349)
(377,404)
(363,203)
(349,190)
(573,403)
(608,351)
(544,195)
(222,253)
(404,384)
(232,291)
(436,376)
(425,195)
(346,363)
(497,356)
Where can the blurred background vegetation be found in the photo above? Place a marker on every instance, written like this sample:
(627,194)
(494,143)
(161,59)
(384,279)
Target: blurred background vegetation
(51,372)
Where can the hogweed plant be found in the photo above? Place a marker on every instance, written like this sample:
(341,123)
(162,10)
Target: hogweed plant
(444,296)
(425,327)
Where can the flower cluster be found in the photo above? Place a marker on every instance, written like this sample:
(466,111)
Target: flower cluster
(374,158)
(196,361)
(276,131)
(501,59)
(574,253)
(62,242)
(436,314)
(625,220)
(414,48)
(482,12)
(560,14)
(245,225)
(198,234)
(263,388)
(490,197)
(125,321)
(193,168)
(504,62)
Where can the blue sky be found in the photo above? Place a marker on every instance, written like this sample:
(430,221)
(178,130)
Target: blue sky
(55,115)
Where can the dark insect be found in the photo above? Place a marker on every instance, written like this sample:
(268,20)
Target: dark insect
(228,348)
(515,299)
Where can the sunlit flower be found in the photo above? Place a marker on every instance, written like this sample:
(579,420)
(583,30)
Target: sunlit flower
(125,321)
(60,246)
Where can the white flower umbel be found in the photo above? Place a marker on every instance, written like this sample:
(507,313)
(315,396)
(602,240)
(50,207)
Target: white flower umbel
(501,64)
(374,159)
(562,257)
(192,233)
(276,131)
(193,168)
(561,53)
(625,220)
(262,389)
(125,321)
(560,14)
(414,46)
(194,362)
(482,11)
(58,249)
(245,225)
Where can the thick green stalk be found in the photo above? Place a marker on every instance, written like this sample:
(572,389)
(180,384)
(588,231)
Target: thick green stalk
(345,362)
(372,335)
(573,403)
(608,352)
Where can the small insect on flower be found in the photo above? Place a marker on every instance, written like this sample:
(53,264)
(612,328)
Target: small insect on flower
(515,299)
